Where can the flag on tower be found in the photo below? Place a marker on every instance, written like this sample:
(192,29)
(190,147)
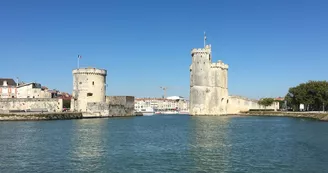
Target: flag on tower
(79,56)
(204,35)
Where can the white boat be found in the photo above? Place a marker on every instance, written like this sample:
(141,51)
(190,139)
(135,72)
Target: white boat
(168,112)
(183,112)
(146,111)
(172,112)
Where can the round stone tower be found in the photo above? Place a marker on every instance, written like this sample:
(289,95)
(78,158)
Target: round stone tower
(89,85)
(199,79)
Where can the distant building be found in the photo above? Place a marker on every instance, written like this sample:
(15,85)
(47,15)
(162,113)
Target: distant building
(64,96)
(8,88)
(279,99)
(30,97)
(162,104)
(32,90)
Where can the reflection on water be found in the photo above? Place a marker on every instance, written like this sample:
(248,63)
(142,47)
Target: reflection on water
(17,143)
(88,144)
(275,144)
(209,143)
(165,143)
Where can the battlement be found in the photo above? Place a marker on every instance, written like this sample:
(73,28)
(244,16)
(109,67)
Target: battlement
(220,64)
(206,50)
(90,70)
(242,98)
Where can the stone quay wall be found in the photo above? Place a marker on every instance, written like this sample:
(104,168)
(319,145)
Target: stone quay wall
(126,101)
(115,106)
(39,116)
(31,104)
(96,109)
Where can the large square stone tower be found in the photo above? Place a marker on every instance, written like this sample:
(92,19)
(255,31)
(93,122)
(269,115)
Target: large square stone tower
(208,84)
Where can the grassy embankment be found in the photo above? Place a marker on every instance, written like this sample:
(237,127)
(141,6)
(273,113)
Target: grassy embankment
(323,116)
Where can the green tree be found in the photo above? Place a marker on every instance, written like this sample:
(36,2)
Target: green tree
(266,102)
(313,94)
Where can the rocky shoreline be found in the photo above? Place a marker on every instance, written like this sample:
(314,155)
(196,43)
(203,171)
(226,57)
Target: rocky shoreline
(313,115)
(39,116)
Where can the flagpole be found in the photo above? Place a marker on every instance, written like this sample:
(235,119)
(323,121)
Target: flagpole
(78,61)
(204,39)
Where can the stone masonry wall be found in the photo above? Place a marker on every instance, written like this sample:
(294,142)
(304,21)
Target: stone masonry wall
(237,104)
(121,100)
(39,116)
(32,104)
(96,109)
(126,101)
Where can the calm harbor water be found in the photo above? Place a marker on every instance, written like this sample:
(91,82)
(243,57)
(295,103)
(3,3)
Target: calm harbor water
(165,143)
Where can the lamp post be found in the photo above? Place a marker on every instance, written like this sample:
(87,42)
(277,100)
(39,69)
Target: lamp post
(286,107)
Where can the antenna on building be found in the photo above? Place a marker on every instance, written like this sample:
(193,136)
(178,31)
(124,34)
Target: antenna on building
(17,81)
(204,39)
(78,60)
(164,89)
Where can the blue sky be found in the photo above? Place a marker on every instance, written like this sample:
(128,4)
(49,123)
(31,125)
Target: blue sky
(269,45)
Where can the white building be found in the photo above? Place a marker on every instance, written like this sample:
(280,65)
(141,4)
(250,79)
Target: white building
(32,90)
(8,88)
(160,104)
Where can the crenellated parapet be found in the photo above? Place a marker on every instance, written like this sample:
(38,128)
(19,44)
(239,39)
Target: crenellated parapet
(201,51)
(90,71)
(220,64)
